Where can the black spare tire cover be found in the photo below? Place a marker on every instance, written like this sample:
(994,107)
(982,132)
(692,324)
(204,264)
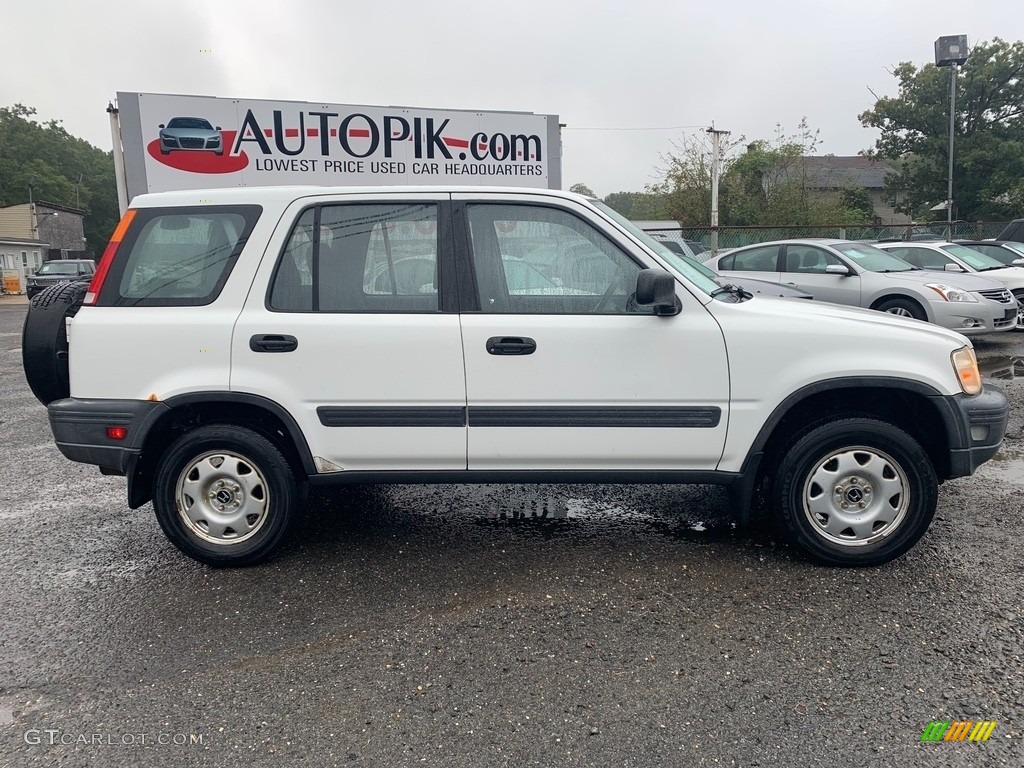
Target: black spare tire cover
(44,341)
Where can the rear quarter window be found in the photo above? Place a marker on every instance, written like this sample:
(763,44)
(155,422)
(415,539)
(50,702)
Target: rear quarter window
(178,256)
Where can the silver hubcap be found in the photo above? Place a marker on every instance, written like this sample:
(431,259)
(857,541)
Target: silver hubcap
(856,496)
(222,498)
(901,311)
(1020,313)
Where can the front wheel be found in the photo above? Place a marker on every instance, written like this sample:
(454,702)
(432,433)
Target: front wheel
(1019,296)
(855,492)
(225,495)
(903,308)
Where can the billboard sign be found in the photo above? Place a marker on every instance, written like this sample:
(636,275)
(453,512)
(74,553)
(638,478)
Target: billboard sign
(200,142)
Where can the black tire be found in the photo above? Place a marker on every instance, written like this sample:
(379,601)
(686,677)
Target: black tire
(903,307)
(44,340)
(1019,295)
(848,461)
(256,484)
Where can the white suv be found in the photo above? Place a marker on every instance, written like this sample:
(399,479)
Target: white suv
(238,344)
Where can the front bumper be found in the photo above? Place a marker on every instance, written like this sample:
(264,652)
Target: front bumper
(80,430)
(975,425)
(973,318)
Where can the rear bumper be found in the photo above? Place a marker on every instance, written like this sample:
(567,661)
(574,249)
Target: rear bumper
(80,430)
(975,425)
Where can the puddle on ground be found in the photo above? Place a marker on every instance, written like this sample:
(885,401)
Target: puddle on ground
(1002,368)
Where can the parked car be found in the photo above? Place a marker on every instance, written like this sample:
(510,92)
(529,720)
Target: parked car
(680,245)
(1005,251)
(225,381)
(954,258)
(1013,231)
(761,287)
(59,271)
(862,275)
(190,134)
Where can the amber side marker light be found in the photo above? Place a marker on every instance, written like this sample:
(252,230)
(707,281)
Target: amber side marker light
(108,257)
(966,366)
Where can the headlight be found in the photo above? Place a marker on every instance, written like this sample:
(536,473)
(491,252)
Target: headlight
(949,293)
(966,366)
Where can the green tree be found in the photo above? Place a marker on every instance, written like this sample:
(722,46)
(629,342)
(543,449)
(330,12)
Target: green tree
(988,159)
(582,189)
(767,183)
(639,206)
(57,159)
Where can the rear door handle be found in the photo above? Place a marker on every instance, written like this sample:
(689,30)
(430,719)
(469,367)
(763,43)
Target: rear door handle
(511,345)
(273,342)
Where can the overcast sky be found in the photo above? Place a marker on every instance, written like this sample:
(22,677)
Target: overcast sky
(625,77)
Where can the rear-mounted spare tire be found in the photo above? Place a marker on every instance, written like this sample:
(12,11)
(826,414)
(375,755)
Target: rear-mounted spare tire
(44,340)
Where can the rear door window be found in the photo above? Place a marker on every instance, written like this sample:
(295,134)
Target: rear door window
(178,256)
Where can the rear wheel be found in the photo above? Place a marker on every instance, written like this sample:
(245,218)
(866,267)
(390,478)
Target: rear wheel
(903,308)
(225,495)
(44,340)
(854,492)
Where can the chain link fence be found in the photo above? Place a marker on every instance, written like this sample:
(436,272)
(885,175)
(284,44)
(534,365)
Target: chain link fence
(733,237)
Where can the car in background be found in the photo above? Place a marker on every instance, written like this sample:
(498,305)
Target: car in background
(1013,231)
(750,285)
(680,245)
(953,258)
(59,271)
(862,275)
(1008,252)
(190,134)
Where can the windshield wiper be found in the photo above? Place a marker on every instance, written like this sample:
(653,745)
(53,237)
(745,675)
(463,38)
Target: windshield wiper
(735,290)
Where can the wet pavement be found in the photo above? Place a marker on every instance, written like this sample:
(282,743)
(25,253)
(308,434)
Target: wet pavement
(499,626)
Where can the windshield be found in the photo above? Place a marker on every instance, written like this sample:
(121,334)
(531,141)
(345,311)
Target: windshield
(680,264)
(872,259)
(190,122)
(972,258)
(57,268)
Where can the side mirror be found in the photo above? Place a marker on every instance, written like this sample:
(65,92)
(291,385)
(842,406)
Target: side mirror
(657,288)
(837,269)
(1017,263)
(161,126)
(951,267)
(217,128)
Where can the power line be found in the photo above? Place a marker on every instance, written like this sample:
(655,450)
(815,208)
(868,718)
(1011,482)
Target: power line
(665,128)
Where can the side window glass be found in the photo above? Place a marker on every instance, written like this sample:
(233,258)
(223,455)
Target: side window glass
(361,258)
(762,259)
(808,259)
(926,258)
(178,257)
(538,260)
(292,290)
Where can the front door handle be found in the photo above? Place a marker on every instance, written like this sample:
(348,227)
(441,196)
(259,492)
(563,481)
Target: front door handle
(273,342)
(511,345)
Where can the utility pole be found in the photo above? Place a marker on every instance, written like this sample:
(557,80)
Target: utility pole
(952,115)
(952,52)
(715,163)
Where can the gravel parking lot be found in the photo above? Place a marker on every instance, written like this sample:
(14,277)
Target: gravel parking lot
(454,626)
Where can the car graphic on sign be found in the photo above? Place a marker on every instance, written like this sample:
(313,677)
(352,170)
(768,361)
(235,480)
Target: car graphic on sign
(190,134)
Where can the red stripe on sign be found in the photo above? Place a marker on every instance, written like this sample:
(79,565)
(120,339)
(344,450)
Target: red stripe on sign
(291,133)
(312,132)
(334,132)
(461,143)
(482,147)
(268,133)
(359,133)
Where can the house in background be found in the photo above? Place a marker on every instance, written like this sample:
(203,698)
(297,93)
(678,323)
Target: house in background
(32,233)
(834,173)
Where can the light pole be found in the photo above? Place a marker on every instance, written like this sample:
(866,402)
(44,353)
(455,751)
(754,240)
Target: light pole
(715,162)
(951,52)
